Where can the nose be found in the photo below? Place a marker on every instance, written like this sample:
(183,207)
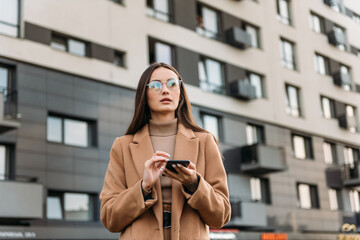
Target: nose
(164,89)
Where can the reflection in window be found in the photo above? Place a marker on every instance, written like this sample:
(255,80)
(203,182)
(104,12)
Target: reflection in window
(70,45)
(317,23)
(254,134)
(354,201)
(53,208)
(77,47)
(321,64)
(257,82)
(333,199)
(211,75)
(329,152)
(341,32)
(75,133)
(307,196)
(254,33)
(211,124)
(345,71)
(9,17)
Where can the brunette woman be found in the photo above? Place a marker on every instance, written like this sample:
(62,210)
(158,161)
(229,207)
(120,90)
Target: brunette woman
(143,199)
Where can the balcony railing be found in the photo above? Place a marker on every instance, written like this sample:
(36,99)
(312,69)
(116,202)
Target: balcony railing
(237,37)
(252,214)
(351,176)
(8,110)
(242,90)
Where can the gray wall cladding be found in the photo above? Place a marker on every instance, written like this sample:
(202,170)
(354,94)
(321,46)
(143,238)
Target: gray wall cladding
(61,166)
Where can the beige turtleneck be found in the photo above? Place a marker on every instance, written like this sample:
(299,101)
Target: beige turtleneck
(163,136)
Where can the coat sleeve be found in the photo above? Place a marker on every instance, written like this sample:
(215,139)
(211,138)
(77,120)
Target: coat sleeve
(120,204)
(211,198)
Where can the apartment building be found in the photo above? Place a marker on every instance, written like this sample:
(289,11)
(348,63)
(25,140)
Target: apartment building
(276,81)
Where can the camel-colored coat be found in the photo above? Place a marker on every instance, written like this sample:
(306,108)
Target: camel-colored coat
(122,204)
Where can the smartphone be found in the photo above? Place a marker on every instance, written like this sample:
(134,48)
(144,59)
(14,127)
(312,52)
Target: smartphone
(169,164)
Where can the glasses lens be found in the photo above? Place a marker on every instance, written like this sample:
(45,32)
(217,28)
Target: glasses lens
(155,86)
(172,83)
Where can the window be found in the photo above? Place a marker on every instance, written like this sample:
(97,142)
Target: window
(71,131)
(211,75)
(307,196)
(257,81)
(9,17)
(321,65)
(317,23)
(350,112)
(119,59)
(161,52)
(260,190)
(117,1)
(254,34)
(356,17)
(287,54)
(302,147)
(329,152)
(354,201)
(345,71)
(351,155)
(70,206)
(75,47)
(254,134)
(336,5)
(335,199)
(341,32)
(160,9)
(4,163)
(283,10)
(292,101)
(211,123)
(235,208)
(327,107)
(7,86)
(208,22)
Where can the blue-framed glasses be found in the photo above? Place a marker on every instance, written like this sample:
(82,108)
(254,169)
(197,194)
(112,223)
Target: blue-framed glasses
(156,85)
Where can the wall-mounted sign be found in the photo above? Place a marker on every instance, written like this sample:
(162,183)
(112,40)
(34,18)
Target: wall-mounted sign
(274,236)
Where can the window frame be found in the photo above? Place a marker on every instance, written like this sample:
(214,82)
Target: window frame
(153,53)
(93,203)
(200,27)
(331,105)
(321,22)
(308,147)
(12,25)
(326,64)
(290,64)
(314,200)
(66,39)
(245,25)
(150,7)
(91,130)
(220,89)
(280,17)
(259,131)
(289,108)
(265,191)
(219,124)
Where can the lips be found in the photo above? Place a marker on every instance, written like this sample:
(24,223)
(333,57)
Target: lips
(165,100)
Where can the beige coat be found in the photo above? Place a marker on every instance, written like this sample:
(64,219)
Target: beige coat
(122,204)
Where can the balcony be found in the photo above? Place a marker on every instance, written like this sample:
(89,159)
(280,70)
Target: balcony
(21,200)
(237,37)
(261,159)
(351,176)
(8,111)
(242,90)
(333,3)
(334,177)
(341,79)
(336,38)
(252,214)
(347,122)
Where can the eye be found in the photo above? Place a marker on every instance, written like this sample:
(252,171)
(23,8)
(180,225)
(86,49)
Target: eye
(171,82)
(155,85)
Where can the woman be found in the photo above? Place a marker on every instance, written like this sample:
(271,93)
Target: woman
(141,198)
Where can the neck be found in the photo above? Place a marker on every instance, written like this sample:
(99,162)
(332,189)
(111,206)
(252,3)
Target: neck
(163,117)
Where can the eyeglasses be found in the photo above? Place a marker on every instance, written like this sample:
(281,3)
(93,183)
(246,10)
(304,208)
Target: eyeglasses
(156,85)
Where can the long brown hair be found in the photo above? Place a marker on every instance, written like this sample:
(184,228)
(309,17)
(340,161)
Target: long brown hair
(142,111)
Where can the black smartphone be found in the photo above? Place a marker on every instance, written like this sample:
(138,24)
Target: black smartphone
(169,164)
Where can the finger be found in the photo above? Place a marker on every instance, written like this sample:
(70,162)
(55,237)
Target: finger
(192,166)
(182,169)
(161,153)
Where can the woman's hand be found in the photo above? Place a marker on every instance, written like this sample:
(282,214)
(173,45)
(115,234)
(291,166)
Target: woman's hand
(153,168)
(186,175)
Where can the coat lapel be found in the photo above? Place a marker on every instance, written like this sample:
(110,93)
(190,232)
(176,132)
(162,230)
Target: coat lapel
(141,150)
(186,148)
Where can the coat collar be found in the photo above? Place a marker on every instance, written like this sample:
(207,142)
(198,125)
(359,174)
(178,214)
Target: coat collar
(186,148)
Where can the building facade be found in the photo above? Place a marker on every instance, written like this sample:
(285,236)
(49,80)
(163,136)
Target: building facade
(276,81)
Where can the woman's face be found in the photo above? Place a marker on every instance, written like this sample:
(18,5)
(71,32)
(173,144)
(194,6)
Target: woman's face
(166,100)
